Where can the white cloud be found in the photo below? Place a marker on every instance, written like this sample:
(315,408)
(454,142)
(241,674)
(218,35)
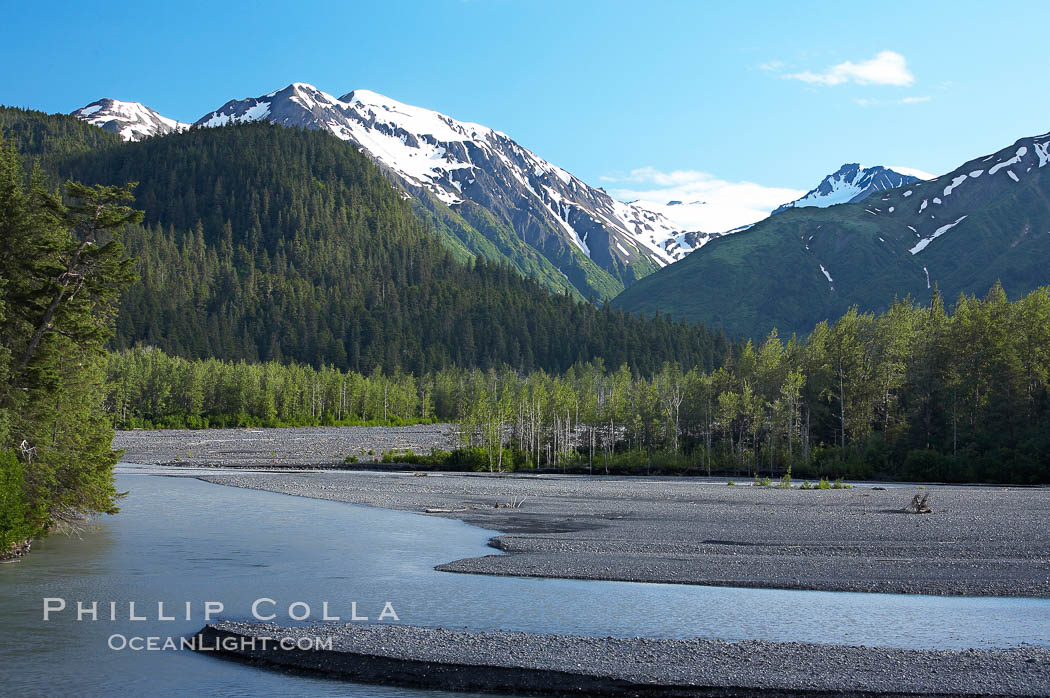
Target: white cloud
(867,102)
(772,66)
(709,204)
(921,174)
(886,68)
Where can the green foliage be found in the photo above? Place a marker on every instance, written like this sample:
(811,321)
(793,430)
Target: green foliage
(50,138)
(62,269)
(17,521)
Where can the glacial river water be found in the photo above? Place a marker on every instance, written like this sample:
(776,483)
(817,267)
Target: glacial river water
(179,540)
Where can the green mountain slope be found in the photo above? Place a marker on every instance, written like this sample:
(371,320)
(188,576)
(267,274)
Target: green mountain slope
(483,235)
(262,242)
(988,220)
(47,137)
(471,232)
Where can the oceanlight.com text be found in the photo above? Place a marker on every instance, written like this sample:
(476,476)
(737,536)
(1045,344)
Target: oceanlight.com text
(197,643)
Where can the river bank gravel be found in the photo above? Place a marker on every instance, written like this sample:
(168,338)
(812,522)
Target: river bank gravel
(561,664)
(990,541)
(986,541)
(278,448)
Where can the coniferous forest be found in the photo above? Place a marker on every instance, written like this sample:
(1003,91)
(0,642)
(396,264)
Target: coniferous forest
(277,277)
(265,243)
(915,394)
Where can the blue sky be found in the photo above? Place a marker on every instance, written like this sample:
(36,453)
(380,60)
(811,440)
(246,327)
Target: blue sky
(633,96)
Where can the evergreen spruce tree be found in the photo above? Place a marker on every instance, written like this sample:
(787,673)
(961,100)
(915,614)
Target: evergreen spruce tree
(62,269)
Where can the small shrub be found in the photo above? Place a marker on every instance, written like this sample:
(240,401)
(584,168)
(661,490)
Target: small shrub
(731,483)
(823,484)
(16,515)
(349,460)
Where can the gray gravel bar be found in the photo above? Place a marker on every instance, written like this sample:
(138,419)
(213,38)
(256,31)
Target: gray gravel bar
(987,541)
(289,447)
(979,541)
(561,665)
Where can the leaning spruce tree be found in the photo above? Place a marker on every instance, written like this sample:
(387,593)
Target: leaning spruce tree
(62,269)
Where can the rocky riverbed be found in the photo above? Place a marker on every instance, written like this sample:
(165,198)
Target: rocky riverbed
(974,541)
(561,664)
(992,541)
(292,447)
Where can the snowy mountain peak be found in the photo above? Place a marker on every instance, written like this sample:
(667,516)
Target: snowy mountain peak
(132,120)
(849,184)
(465,165)
(414,118)
(460,161)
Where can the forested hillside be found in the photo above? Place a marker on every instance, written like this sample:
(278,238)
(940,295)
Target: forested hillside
(269,243)
(50,138)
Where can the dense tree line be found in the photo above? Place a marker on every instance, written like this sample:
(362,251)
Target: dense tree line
(914,393)
(150,389)
(51,139)
(62,268)
(265,243)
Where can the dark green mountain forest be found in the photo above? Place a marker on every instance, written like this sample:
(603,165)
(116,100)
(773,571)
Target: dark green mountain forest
(51,138)
(267,243)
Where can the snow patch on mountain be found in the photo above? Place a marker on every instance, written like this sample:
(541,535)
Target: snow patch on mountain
(827,275)
(921,245)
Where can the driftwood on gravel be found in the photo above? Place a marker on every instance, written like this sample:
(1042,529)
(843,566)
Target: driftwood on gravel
(918,505)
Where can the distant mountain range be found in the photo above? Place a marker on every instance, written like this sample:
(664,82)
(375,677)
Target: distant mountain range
(861,237)
(478,189)
(485,192)
(986,221)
